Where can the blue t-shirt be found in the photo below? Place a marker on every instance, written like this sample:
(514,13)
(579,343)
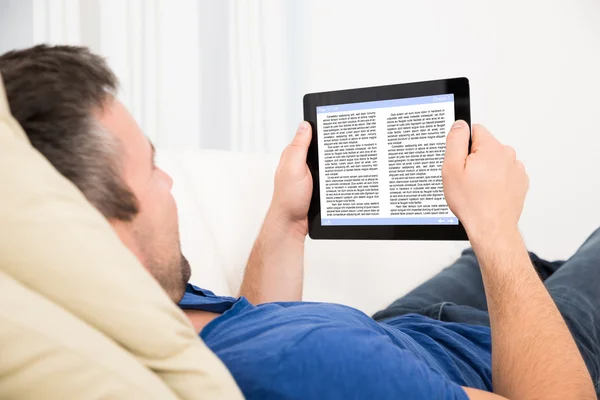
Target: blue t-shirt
(307,350)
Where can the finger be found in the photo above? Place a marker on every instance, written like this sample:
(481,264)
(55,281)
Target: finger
(481,138)
(296,152)
(510,151)
(521,167)
(457,145)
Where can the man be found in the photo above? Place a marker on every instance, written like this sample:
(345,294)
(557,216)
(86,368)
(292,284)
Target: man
(434,343)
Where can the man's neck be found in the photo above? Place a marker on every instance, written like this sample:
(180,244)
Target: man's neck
(200,319)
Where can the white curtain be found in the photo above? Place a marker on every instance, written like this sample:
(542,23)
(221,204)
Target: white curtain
(194,73)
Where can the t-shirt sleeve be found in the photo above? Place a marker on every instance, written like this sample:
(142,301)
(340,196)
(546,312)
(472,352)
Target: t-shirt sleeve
(350,366)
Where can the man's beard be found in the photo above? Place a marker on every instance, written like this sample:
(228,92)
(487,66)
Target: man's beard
(171,276)
(186,271)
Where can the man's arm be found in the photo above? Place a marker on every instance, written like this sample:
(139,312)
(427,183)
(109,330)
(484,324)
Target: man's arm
(275,270)
(533,352)
(534,355)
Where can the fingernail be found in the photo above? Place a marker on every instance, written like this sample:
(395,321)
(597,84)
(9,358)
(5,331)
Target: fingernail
(459,124)
(303,127)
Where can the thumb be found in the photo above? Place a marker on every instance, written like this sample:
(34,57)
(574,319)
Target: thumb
(298,149)
(457,145)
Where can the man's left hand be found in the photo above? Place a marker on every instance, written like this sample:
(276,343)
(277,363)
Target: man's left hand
(293,185)
(275,270)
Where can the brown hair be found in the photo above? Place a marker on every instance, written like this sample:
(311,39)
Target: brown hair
(52,92)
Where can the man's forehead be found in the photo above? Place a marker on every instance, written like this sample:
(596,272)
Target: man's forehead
(115,117)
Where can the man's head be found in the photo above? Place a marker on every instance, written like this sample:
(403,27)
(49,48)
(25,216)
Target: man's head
(64,98)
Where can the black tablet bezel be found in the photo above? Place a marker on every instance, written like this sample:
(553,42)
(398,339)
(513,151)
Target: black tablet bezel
(459,87)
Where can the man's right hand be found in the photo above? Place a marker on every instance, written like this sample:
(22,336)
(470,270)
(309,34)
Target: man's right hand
(485,189)
(534,355)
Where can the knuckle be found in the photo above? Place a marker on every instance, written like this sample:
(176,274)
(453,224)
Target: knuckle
(479,129)
(296,144)
(289,149)
(285,154)
(521,168)
(510,151)
(452,135)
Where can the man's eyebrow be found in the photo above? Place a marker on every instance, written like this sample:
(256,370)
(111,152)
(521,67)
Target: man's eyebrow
(153,157)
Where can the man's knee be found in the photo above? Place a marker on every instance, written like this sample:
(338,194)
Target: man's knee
(583,321)
(592,241)
(587,342)
(468,252)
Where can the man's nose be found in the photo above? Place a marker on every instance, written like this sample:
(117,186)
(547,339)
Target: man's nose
(167,178)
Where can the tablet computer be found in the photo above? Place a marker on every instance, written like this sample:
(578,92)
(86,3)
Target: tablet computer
(376,159)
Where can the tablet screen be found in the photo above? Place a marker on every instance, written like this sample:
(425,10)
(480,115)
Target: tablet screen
(381,161)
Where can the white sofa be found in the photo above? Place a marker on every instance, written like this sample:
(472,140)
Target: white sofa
(222,199)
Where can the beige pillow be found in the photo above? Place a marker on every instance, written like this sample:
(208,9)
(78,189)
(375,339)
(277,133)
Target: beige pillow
(47,353)
(55,243)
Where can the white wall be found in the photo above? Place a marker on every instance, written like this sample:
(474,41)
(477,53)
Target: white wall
(534,68)
(16,25)
(231,74)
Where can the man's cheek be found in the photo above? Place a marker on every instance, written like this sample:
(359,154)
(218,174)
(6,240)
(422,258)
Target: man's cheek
(170,211)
